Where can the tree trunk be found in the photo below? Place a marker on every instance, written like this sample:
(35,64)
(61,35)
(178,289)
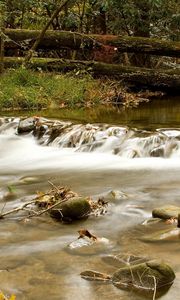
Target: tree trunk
(2,36)
(165,80)
(66,39)
(142,29)
(42,33)
(1,51)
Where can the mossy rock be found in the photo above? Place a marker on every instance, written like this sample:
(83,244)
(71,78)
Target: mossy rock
(146,276)
(73,209)
(166,212)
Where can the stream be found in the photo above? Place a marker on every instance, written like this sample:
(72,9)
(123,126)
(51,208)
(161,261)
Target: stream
(138,157)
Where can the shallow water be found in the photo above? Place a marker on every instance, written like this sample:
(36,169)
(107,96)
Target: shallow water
(36,262)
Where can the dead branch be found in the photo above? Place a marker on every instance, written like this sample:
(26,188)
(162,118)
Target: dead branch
(48,209)
(17,209)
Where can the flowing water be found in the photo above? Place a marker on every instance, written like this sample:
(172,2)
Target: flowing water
(142,162)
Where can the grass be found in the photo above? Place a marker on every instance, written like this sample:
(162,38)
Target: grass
(27,89)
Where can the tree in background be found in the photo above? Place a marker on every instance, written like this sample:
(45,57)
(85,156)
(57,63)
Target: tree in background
(158,18)
(145,18)
(2,36)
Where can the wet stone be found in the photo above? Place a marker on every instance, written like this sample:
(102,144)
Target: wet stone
(148,276)
(157,152)
(72,209)
(26,125)
(166,212)
(144,277)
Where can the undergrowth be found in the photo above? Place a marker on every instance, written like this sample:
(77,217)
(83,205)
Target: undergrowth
(31,90)
(27,89)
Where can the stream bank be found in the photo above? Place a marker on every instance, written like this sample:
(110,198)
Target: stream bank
(25,89)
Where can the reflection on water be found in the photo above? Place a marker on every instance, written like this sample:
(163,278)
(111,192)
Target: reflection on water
(162,112)
(35,260)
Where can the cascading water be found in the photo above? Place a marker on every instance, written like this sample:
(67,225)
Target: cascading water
(92,159)
(104,138)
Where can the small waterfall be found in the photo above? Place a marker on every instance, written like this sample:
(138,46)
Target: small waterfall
(102,138)
(121,141)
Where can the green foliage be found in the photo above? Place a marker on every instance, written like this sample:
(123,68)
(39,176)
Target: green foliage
(26,89)
(163,16)
(23,89)
(77,89)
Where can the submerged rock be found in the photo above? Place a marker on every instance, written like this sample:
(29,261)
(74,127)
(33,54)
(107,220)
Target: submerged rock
(72,209)
(88,244)
(151,221)
(166,212)
(114,195)
(170,234)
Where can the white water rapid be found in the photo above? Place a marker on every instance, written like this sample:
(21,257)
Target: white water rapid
(89,148)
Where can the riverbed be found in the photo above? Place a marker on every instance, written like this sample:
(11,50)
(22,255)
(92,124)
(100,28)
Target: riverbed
(36,261)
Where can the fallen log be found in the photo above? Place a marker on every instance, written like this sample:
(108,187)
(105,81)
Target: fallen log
(164,80)
(17,38)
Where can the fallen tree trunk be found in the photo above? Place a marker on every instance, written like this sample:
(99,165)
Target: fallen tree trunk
(17,38)
(165,80)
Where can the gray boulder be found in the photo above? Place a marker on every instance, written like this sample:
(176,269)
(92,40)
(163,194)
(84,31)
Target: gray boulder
(27,125)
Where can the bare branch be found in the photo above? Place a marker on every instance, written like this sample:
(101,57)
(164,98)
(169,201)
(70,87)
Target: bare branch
(17,209)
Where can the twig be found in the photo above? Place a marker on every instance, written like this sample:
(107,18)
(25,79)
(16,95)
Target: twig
(155,288)
(33,213)
(17,209)
(4,205)
(48,209)
(132,276)
(53,185)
